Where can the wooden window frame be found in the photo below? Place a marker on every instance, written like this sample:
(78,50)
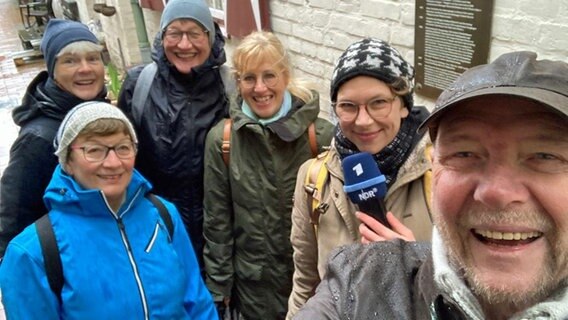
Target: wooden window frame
(220,16)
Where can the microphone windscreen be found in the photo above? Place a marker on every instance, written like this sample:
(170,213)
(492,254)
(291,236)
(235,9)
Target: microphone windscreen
(362,175)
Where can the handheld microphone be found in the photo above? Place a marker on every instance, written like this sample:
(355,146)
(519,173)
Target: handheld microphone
(365,185)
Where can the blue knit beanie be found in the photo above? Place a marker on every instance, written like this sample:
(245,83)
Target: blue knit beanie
(196,10)
(58,34)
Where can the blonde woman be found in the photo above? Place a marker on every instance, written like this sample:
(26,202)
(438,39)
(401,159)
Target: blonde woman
(248,200)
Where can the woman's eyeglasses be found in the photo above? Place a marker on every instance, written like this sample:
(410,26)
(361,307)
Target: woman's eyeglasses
(376,108)
(194,36)
(98,153)
(249,80)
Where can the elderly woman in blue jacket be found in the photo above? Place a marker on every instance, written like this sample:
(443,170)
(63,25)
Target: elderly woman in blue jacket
(119,260)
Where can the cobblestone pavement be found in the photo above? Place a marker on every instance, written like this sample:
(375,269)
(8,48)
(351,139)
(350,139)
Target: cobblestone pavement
(13,80)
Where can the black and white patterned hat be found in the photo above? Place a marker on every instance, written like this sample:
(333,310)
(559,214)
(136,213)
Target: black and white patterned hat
(375,58)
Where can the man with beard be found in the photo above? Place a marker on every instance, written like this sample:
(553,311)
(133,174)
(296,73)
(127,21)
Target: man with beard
(500,244)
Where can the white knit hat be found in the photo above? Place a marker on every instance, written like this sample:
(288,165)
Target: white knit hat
(79,117)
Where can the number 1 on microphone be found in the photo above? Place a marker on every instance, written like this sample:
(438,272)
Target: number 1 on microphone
(358,169)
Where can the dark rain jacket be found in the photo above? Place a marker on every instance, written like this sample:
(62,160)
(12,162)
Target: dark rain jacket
(248,255)
(405,281)
(179,112)
(32,158)
(375,281)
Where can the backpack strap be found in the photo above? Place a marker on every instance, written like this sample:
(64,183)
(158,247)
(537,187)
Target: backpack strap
(163,211)
(50,252)
(142,90)
(226,144)
(313,185)
(50,249)
(146,77)
(313,139)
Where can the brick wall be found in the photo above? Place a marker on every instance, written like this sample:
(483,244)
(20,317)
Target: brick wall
(317,31)
(119,30)
(152,19)
(121,36)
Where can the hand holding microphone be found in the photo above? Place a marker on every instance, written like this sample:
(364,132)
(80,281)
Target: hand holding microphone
(365,185)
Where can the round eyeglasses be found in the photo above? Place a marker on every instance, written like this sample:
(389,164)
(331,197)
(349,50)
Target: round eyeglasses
(376,108)
(249,80)
(194,36)
(98,153)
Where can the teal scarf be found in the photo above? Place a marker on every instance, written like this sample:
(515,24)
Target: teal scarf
(284,109)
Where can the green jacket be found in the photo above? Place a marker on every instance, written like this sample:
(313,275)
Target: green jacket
(247,207)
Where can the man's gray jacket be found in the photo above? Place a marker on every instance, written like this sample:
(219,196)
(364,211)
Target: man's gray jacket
(403,280)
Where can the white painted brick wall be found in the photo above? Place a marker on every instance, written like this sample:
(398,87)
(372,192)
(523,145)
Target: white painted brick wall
(86,12)
(152,20)
(326,27)
(317,31)
(119,30)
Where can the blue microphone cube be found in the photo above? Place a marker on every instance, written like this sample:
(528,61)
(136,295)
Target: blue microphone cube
(363,179)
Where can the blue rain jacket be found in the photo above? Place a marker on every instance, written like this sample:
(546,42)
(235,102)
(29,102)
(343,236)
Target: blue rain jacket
(116,265)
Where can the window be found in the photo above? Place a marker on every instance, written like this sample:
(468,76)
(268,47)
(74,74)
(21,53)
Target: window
(219,13)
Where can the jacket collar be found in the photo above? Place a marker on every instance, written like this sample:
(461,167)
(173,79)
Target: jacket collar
(446,292)
(415,165)
(413,168)
(288,128)
(64,193)
(450,285)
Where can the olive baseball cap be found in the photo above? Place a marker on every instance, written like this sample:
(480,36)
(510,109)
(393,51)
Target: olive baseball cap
(516,74)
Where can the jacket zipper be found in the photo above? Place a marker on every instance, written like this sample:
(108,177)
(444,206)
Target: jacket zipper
(153,238)
(134,267)
(126,243)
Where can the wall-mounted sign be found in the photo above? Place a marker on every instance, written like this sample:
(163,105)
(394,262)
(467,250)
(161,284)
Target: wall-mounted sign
(450,37)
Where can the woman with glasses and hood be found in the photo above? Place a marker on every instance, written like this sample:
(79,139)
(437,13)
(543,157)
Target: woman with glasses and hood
(185,99)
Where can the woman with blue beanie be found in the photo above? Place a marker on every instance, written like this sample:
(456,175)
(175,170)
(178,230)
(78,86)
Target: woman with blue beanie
(184,97)
(75,74)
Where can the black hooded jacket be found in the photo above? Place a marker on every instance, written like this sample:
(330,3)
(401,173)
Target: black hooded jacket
(179,111)
(32,159)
